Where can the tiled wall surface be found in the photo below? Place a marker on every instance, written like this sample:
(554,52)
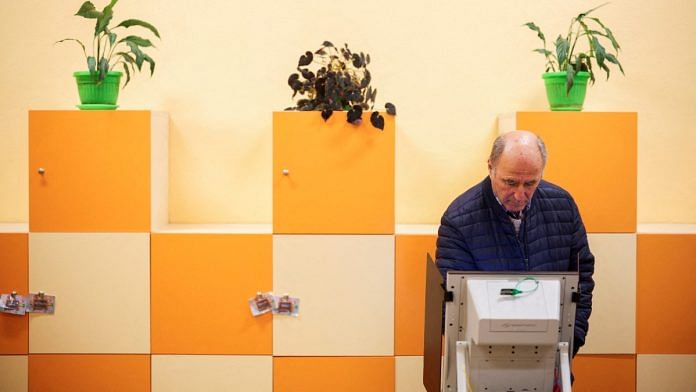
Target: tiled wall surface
(145,309)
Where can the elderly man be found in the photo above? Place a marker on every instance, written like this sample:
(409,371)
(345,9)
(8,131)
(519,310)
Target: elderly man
(515,221)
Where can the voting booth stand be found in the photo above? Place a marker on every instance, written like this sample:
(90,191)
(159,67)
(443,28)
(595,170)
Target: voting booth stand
(503,331)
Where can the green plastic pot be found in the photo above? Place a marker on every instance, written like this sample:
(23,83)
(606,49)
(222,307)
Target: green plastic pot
(93,92)
(559,100)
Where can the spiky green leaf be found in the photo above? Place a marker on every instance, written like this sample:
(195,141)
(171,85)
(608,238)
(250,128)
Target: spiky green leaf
(105,18)
(142,42)
(536,28)
(76,40)
(584,14)
(151,61)
(103,68)
(126,57)
(608,34)
(112,38)
(135,22)
(562,47)
(570,74)
(91,64)
(138,54)
(600,52)
(87,10)
(545,52)
(612,59)
(128,77)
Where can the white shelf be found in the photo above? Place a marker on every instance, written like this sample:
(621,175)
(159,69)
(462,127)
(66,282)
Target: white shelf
(417,229)
(667,228)
(14,227)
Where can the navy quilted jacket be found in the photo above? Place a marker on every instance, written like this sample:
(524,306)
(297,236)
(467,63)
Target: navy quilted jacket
(476,234)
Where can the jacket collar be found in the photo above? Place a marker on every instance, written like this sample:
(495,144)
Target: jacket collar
(493,203)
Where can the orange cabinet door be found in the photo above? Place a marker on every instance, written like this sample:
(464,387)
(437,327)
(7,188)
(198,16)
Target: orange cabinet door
(594,157)
(332,177)
(89,171)
(14,276)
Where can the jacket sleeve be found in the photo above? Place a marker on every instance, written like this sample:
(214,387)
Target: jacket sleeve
(452,251)
(581,255)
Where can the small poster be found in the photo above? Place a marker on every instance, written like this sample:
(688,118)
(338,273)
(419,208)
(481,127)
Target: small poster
(13,304)
(41,303)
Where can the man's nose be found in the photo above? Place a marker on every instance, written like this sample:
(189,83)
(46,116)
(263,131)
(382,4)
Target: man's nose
(520,194)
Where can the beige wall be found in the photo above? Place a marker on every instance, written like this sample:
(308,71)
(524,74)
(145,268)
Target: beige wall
(450,67)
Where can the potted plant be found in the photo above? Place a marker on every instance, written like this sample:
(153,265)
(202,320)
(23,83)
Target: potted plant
(569,67)
(332,79)
(98,87)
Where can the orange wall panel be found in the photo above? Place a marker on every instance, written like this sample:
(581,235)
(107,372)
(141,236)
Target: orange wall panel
(341,176)
(665,320)
(410,259)
(336,374)
(14,275)
(616,373)
(200,287)
(88,373)
(97,171)
(594,157)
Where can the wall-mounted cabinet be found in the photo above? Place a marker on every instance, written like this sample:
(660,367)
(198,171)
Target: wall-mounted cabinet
(91,171)
(332,177)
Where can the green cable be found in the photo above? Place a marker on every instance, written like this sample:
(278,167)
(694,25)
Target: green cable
(517,291)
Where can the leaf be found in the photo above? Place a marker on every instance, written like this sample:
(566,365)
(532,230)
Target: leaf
(307,74)
(103,68)
(328,44)
(91,64)
(562,47)
(377,120)
(112,38)
(612,59)
(367,57)
(137,40)
(87,10)
(355,115)
(570,74)
(600,54)
(76,40)
(536,28)
(135,22)
(357,61)
(326,113)
(543,51)
(125,68)
(391,109)
(292,79)
(320,52)
(585,59)
(305,59)
(104,19)
(138,54)
(151,61)
(582,15)
(608,34)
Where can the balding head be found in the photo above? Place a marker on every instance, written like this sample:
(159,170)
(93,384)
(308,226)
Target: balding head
(523,144)
(515,167)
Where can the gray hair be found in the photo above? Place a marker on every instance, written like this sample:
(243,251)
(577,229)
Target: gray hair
(499,147)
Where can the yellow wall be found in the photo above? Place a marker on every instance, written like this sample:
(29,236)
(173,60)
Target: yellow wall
(450,67)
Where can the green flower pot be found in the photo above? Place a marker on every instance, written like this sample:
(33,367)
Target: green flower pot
(95,94)
(559,100)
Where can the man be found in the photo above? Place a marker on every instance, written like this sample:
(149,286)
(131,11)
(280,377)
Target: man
(515,221)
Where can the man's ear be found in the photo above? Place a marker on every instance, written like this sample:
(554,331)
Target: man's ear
(490,166)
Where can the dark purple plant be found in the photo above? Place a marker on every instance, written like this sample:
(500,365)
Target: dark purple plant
(338,80)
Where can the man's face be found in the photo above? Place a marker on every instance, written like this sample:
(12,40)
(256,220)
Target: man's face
(515,177)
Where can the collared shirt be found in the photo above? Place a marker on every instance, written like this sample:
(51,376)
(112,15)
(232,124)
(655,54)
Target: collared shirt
(515,217)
